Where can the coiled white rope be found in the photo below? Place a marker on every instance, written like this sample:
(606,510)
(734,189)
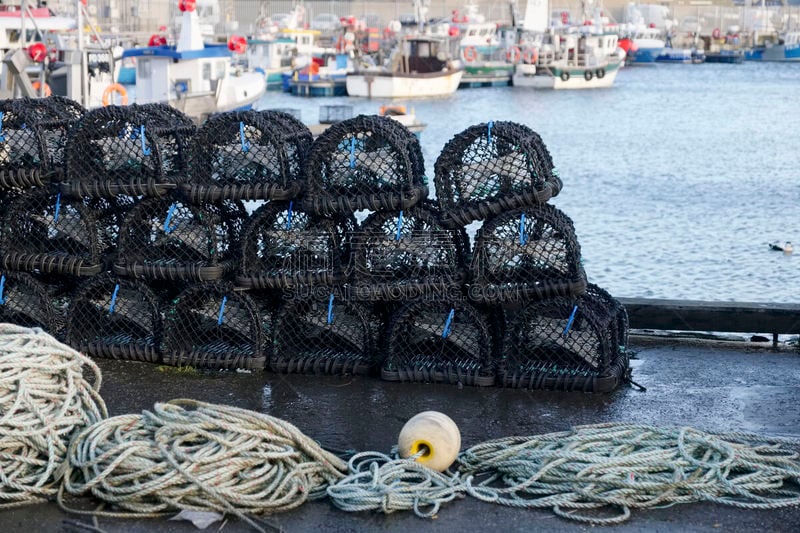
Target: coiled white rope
(198,456)
(44,398)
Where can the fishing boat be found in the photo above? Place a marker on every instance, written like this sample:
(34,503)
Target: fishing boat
(487,61)
(419,66)
(681,55)
(195,77)
(787,48)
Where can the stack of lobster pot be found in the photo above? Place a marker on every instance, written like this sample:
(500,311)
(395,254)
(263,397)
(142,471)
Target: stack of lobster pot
(236,157)
(46,242)
(526,263)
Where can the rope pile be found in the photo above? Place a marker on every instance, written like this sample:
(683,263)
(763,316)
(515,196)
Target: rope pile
(44,398)
(590,468)
(192,455)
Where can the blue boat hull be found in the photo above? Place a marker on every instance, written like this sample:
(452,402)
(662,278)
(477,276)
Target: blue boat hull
(773,53)
(644,55)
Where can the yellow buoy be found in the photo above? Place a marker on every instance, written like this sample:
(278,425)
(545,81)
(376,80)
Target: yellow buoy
(435,435)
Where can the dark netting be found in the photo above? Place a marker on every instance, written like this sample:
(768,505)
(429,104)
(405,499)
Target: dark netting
(407,254)
(113,150)
(439,341)
(22,147)
(285,247)
(368,162)
(526,254)
(45,232)
(116,318)
(109,214)
(171,239)
(619,327)
(25,301)
(53,117)
(174,133)
(491,168)
(213,325)
(563,344)
(248,155)
(323,336)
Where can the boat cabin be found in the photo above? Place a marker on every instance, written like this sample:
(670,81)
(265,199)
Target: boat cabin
(421,55)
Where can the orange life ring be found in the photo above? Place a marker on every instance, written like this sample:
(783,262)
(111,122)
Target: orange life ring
(530,56)
(108,94)
(470,54)
(38,85)
(513,54)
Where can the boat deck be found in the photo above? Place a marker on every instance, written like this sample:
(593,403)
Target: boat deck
(721,386)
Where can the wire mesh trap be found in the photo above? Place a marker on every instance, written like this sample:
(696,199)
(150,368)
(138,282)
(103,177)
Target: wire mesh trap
(22,146)
(286,247)
(174,132)
(166,239)
(109,214)
(248,155)
(211,325)
(491,168)
(564,344)
(368,162)
(26,302)
(116,318)
(44,232)
(407,254)
(439,341)
(113,150)
(323,336)
(526,254)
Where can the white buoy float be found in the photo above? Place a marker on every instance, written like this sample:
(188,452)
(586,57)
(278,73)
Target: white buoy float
(435,435)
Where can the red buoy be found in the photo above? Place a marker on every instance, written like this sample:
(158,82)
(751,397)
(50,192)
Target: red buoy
(237,44)
(37,52)
(187,5)
(157,40)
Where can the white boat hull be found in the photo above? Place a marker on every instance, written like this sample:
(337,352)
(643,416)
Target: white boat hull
(384,85)
(545,78)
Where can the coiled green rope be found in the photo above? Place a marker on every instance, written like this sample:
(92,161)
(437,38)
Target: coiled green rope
(44,398)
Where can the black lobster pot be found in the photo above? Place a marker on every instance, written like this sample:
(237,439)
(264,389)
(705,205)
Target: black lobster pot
(526,254)
(323,335)
(248,155)
(408,254)
(439,341)
(130,150)
(212,325)
(566,344)
(25,301)
(367,162)
(491,168)
(116,318)
(166,239)
(285,247)
(43,232)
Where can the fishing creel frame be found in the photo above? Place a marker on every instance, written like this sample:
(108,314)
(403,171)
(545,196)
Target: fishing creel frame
(285,247)
(26,301)
(364,163)
(41,231)
(566,344)
(135,150)
(214,325)
(115,318)
(491,168)
(439,341)
(406,255)
(172,239)
(324,335)
(526,254)
(248,155)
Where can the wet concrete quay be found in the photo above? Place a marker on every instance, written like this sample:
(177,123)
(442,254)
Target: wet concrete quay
(708,385)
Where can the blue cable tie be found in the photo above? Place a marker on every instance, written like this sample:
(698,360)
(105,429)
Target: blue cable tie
(399,226)
(58,208)
(489,131)
(289,216)
(167,227)
(330,310)
(245,142)
(523,239)
(2,288)
(352,152)
(2,135)
(145,149)
(447,322)
(113,300)
(571,319)
(221,316)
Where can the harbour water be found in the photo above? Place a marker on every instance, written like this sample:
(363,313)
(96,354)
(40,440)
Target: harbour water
(677,178)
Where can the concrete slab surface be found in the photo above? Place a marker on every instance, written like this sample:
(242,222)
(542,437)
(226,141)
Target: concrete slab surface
(707,385)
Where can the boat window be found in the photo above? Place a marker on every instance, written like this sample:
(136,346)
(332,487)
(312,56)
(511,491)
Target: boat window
(143,68)
(206,70)
(219,71)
